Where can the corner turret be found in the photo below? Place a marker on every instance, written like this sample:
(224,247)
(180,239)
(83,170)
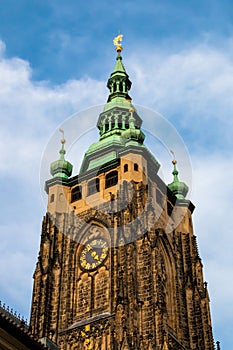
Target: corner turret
(61,167)
(179,189)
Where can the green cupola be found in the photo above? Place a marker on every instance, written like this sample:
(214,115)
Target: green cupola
(179,189)
(119,124)
(119,83)
(61,167)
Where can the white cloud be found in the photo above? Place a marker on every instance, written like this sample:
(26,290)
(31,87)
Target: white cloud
(30,111)
(193,87)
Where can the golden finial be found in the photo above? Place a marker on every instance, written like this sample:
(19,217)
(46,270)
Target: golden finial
(117,42)
(62,140)
(174,160)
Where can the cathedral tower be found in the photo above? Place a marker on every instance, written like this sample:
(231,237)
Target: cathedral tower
(118,267)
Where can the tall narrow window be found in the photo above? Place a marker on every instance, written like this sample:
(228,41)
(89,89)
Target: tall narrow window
(93,186)
(52,198)
(135,167)
(76,193)
(126,168)
(121,86)
(111,179)
(169,208)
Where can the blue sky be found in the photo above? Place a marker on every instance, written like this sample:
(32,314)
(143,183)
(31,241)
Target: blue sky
(55,59)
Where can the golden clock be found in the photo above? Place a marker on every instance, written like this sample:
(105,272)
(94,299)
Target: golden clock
(93,254)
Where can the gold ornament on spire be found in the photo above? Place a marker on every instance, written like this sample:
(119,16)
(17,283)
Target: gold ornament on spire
(174,161)
(63,139)
(117,42)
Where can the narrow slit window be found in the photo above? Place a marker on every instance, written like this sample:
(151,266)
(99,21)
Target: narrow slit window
(169,208)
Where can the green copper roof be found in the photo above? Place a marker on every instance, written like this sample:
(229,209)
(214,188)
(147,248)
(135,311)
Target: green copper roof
(119,83)
(119,124)
(179,189)
(61,167)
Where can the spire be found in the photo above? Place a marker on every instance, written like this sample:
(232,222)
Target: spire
(119,83)
(61,167)
(179,189)
(119,124)
(119,114)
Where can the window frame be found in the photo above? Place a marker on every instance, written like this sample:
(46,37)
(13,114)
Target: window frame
(93,186)
(76,193)
(111,179)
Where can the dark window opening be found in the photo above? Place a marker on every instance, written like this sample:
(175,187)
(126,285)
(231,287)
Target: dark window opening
(159,198)
(121,87)
(126,168)
(169,208)
(106,126)
(93,186)
(52,198)
(76,193)
(111,179)
(127,122)
(120,122)
(135,167)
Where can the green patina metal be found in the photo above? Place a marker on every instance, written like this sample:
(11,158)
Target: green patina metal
(179,189)
(119,84)
(61,168)
(119,124)
(120,134)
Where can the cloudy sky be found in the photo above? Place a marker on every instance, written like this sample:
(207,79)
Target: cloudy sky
(55,59)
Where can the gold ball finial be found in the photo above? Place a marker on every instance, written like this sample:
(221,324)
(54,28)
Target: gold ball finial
(62,140)
(117,42)
(174,160)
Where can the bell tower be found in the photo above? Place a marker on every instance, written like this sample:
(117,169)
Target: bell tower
(118,266)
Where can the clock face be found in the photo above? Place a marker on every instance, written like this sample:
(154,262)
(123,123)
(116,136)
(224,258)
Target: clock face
(93,254)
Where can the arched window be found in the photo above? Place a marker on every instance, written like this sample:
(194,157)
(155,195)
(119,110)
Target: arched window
(111,179)
(135,167)
(93,186)
(126,168)
(76,193)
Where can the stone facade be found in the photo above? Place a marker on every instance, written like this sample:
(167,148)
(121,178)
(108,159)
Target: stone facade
(148,294)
